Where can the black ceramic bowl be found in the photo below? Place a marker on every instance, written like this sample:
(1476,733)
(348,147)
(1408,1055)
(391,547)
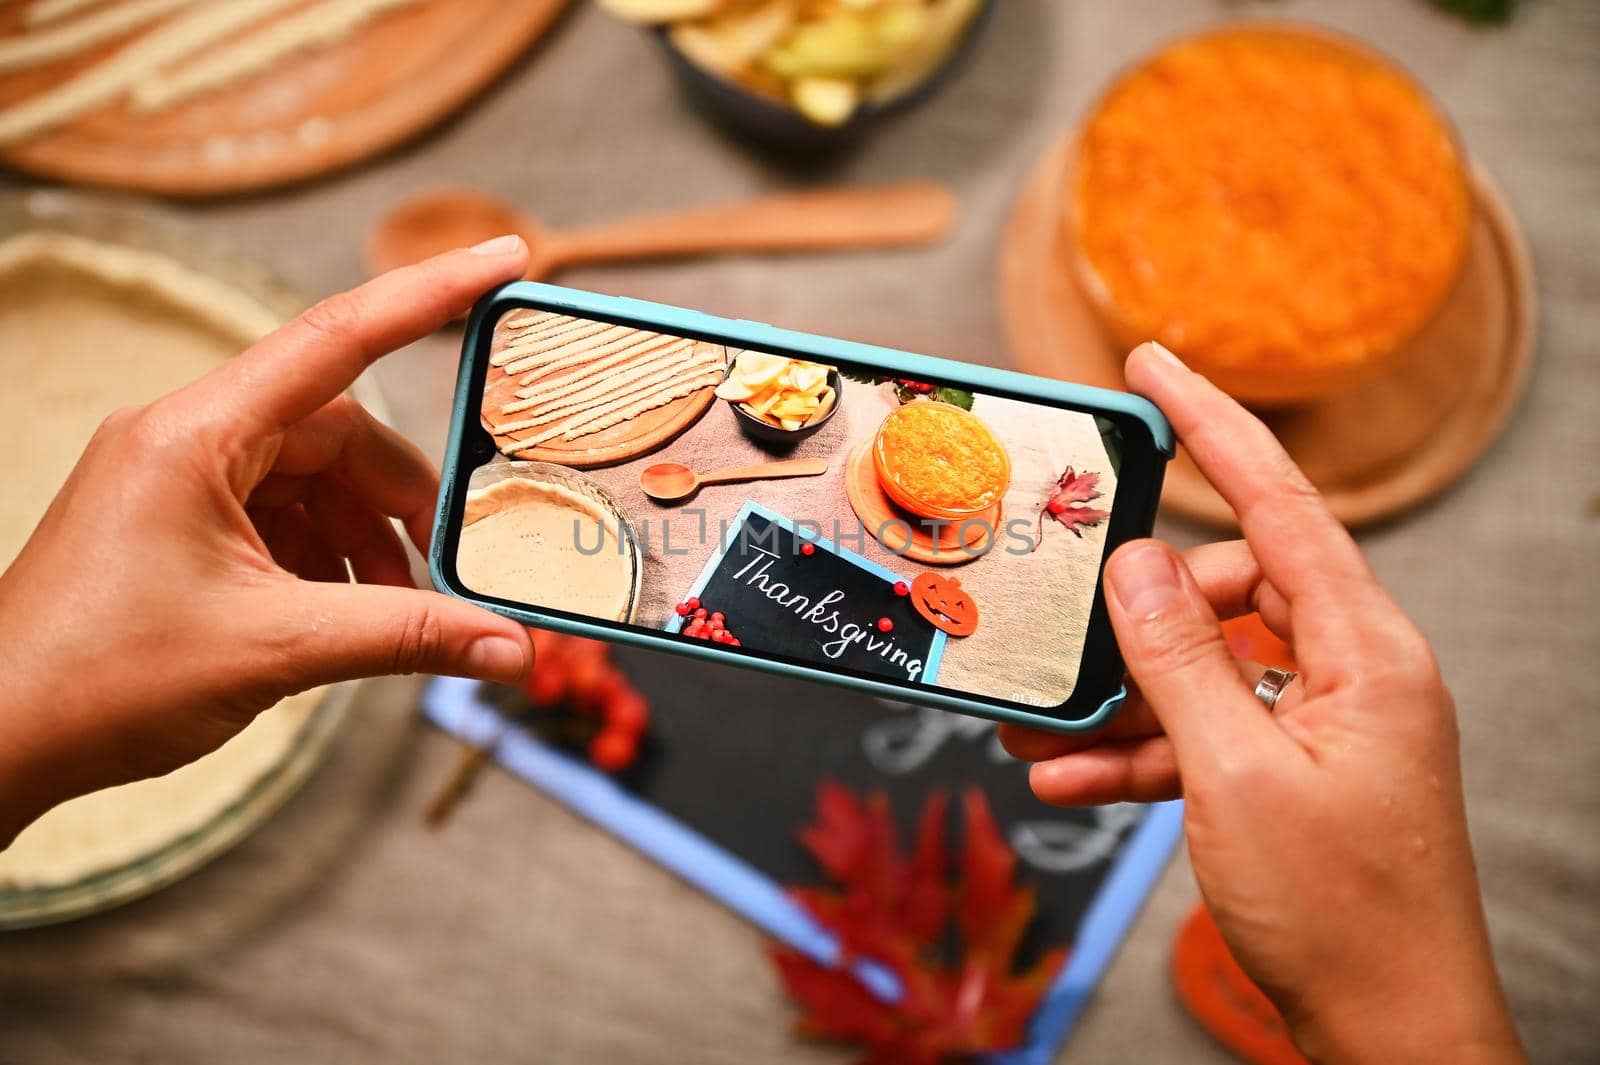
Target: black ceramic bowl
(781,126)
(768,433)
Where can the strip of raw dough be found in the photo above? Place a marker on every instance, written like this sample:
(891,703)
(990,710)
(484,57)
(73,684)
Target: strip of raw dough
(524,319)
(627,365)
(37,47)
(657,379)
(100,84)
(518,346)
(49,10)
(317,26)
(543,334)
(598,359)
(605,372)
(624,410)
(565,343)
(654,383)
(534,365)
(606,421)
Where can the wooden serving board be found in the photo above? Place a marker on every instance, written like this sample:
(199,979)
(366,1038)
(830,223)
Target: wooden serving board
(877,511)
(619,443)
(1373,451)
(311,114)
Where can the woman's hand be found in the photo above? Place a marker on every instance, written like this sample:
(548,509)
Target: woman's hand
(1329,837)
(193,569)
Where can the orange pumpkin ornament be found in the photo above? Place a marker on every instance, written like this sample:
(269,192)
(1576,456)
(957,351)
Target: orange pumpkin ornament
(945,604)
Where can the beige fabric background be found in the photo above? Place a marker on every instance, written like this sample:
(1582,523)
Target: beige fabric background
(346,932)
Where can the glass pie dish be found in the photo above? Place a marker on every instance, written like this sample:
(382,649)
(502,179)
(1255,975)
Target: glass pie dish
(99,852)
(571,481)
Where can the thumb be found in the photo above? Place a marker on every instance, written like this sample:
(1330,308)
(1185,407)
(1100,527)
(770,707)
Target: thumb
(369,630)
(1174,648)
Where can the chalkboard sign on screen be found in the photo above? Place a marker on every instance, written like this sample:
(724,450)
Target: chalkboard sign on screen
(828,607)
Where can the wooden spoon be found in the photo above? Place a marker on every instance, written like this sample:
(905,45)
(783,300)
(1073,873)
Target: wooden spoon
(672,481)
(917,212)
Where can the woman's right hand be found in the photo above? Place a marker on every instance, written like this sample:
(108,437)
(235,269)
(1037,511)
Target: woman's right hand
(1328,836)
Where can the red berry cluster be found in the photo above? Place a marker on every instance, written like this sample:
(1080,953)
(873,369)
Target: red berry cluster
(701,624)
(574,674)
(921,388)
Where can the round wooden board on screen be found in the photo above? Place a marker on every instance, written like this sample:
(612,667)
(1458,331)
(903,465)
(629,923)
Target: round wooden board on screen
(1373,451)
(309,115)
(619,443)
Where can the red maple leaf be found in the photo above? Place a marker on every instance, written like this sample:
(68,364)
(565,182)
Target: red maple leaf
(1066,504)
(958,998)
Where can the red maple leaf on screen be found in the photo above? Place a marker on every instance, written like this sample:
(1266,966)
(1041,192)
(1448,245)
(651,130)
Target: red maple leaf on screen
(1067,504)
(960,994)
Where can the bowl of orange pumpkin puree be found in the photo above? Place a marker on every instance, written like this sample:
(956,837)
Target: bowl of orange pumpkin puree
(939,461)
(1282,206)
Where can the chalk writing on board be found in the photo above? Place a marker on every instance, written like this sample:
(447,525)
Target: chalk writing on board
(906,742)
(840,634)
(793,594)
(1056,846)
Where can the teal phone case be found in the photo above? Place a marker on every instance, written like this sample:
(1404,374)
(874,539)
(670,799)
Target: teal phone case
(745,334)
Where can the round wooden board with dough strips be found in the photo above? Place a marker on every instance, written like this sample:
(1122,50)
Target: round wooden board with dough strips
(627,439)
(311,112)
(1373,451)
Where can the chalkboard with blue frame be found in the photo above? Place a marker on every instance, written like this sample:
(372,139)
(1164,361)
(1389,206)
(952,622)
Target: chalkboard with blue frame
(731,774)
(823,606)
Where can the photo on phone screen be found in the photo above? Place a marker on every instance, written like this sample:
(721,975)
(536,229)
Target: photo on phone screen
(881,527)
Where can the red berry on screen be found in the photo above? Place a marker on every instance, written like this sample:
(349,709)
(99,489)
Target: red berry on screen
(682,610)
(693,602)
(700,613)
(885,625)
(808,549)
(902,588)
(613,750)
(733,641)
(717,615)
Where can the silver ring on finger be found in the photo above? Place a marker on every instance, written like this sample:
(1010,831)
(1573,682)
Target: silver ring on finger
(1271,685)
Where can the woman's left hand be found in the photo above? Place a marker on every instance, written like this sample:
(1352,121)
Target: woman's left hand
(195,568)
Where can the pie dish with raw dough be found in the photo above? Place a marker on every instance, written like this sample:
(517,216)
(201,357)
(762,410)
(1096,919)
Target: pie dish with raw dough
(546,536)
(98,310)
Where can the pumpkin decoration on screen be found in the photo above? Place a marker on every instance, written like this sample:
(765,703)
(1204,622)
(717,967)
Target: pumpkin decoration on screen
(945,604)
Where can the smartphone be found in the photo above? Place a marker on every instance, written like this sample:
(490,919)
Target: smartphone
(921,529)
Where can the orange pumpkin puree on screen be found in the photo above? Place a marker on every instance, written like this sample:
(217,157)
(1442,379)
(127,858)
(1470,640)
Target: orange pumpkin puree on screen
(1266,199)
(938,460)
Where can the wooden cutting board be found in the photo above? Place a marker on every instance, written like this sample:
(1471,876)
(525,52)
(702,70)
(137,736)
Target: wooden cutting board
(311,114)
(1374,450)
(619,443)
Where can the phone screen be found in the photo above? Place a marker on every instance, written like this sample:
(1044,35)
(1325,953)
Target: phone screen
(823,514)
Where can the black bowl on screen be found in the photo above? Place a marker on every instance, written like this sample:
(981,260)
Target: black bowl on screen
(766,432)
(780,126)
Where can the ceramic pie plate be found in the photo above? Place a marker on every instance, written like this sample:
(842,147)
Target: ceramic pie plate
(128,842)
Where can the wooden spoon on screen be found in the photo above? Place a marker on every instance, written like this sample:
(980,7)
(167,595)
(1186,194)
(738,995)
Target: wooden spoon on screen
(916,212)
(671,481)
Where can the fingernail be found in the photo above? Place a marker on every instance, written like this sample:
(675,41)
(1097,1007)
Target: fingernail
(1144,580)
(1161,352)
(505,245)
(496,658)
